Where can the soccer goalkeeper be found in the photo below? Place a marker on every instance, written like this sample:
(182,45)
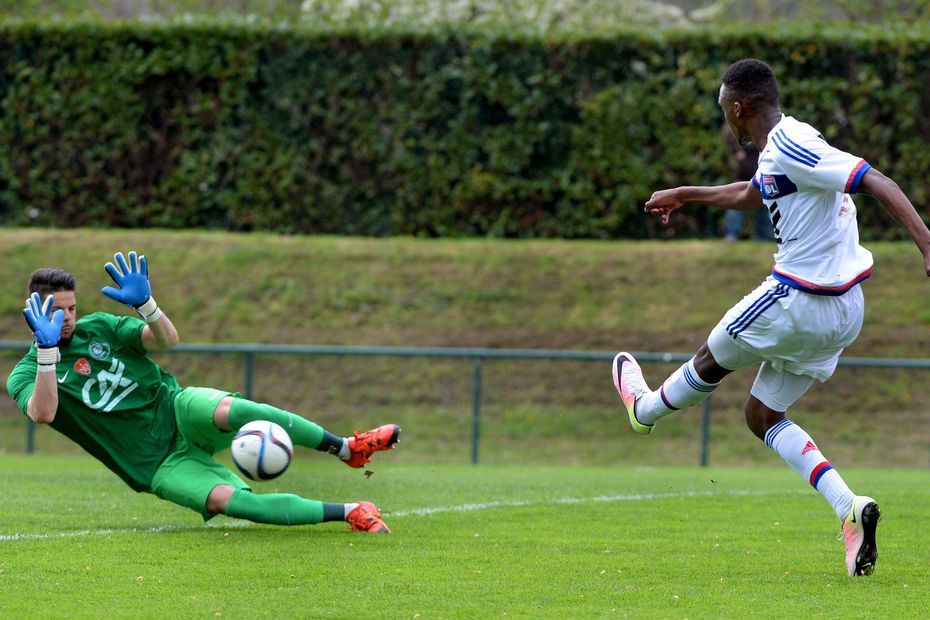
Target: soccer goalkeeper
(92,380)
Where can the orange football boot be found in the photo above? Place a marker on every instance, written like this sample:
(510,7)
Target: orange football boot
(367,518)
(363,445)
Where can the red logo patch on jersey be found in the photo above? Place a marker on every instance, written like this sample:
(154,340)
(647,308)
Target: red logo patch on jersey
(810,447)
(82,366)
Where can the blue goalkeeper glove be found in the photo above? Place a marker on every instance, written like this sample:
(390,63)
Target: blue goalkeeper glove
(46,326)
(134,288)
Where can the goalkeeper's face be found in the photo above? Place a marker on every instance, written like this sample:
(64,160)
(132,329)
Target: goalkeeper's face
(66,301)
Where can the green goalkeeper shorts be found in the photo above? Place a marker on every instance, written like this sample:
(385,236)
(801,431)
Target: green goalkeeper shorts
(193,409)
(189,473)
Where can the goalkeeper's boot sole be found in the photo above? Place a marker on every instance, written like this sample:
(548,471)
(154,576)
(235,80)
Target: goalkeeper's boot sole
(363,445)
(859,534)
(367,518)
(628,379)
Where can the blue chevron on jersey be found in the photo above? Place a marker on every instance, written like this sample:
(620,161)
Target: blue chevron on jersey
(797,147)
(794,150)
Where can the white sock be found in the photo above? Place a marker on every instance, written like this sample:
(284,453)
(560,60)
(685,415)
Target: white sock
(683,388)
(794,445)
(344,453)
(349,508)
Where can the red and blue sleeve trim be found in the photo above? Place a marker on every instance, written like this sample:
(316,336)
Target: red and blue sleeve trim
(818,473)
(816,289)
(855,177)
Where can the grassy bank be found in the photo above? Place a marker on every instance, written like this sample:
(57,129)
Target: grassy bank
(642,296)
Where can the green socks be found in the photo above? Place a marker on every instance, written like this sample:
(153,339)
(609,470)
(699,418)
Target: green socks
(303,432)
(282,509)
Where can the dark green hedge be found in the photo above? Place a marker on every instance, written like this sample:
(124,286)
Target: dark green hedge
(262,128)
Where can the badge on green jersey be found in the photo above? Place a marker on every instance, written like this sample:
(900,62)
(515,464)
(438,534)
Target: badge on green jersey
(99,350)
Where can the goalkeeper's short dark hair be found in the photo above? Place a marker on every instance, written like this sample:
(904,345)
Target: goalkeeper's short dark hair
(752,81)
(50,280)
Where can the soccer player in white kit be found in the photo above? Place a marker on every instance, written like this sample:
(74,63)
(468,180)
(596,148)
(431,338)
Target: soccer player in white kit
(796,323)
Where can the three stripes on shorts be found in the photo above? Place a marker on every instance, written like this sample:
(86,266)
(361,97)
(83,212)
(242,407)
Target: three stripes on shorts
(755,310)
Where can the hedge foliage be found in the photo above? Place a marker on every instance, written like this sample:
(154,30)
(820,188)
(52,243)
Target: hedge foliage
(245,127)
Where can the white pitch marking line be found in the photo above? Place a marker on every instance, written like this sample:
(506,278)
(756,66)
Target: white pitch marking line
(128,530)
(638,497)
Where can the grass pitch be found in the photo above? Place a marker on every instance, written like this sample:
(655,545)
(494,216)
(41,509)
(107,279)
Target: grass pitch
(467,542)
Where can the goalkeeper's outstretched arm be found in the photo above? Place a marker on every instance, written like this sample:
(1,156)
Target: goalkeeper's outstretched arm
(133,289)
(160,334)
(45,321)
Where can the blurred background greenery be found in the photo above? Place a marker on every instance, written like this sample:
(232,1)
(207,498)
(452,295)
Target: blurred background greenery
(593,15)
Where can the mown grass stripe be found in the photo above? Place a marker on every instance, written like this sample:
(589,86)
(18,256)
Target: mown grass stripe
(469,507)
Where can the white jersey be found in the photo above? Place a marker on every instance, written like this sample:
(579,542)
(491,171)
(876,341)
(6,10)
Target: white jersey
(806,185)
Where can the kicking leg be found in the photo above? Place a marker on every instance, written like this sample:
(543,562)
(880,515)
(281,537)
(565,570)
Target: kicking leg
(691,384)
(772,393)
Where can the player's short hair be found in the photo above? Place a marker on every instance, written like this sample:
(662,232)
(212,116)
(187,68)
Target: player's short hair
(50,280)
(752,81)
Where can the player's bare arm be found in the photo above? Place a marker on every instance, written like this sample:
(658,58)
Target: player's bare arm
(43,403)
(45,320)
(133,289)
(741,196)
(887,192)
(160,335)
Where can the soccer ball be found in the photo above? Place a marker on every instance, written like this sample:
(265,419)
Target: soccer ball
(262,450)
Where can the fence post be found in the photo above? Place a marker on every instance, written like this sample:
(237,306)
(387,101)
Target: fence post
(705,432)
(475,411)
(30,436)
(249,367)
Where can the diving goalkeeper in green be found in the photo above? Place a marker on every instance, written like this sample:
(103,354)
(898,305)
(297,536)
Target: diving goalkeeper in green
(92,380)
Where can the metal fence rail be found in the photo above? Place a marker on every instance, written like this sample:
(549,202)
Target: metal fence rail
(250,351)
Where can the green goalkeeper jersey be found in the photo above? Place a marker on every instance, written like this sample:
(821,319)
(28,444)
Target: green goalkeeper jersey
(113,400)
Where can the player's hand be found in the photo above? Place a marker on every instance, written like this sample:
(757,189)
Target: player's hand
(663,203)
(45,325)
(132,279)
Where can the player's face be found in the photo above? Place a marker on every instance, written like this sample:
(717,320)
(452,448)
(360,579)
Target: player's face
(732,115)
(66,301)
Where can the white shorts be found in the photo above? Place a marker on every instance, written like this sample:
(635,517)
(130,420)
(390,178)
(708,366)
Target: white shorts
(787,331)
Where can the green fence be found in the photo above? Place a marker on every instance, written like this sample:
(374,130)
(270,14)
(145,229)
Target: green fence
(250,351)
